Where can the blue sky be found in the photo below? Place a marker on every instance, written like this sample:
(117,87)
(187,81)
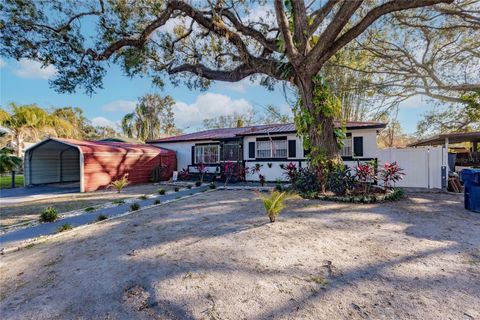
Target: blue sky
(25,82)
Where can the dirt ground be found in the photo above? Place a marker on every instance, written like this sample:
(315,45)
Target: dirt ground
(30,211)
(215,256)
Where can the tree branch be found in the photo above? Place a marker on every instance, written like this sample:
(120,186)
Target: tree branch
(285,30)
(319,15)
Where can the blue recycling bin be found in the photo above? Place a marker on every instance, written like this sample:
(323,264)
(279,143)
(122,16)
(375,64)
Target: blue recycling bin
(471,186)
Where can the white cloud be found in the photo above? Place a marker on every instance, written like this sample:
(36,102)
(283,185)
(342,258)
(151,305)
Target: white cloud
(119,105)
(103,122)
(208,105)
(2,63)
(31,69)
(414,102)
(240,86)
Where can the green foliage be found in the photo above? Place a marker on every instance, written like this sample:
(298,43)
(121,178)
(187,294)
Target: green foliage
(189,187)
(134,206)
(176,189)
(157,201)
(198,183)
(8,162)
(278,185)
(274,204)
(102,217)
(143,197)
(161,191)
(119,184)
(118,202)
(212,185)
(396,194)
(306,181)
(340,181)
(50,214)
(64,227)
(89,209)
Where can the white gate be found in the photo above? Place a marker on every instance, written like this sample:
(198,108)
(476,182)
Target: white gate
(422,166)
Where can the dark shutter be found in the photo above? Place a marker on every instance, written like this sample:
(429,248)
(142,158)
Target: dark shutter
(193,155)
(358,146)
(251,150)
(292,148)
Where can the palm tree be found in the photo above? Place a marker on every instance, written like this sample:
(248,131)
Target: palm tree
(8,161)
(32,122)
(152,116)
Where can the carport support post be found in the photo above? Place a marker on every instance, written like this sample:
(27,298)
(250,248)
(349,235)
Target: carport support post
(445,166)
(13,179)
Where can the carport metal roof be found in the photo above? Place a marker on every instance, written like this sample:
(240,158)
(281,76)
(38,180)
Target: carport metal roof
(450,138)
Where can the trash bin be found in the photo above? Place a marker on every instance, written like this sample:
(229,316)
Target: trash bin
(471,186)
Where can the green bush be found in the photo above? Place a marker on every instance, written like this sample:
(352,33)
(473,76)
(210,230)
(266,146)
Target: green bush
(198,183)
(134,206)
(189,187)
(177,189)
(118,202)
(306,181)
(161,191)
(339,182)
(157,201)
(144,197)
(212,186)
(64,227)
(274,204)
(50,214)
(396,194)
(89,209)
(102,217)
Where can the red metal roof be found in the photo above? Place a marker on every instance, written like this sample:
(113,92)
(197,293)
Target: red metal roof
(226,133)
(113,147)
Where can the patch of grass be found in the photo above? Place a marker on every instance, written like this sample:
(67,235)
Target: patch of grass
(50,214)
(89,209)
(6,181)
(144,197)
(176,189)
(157,201)
(134,206)
(318,280)
(102,217)
(118,202)
(161,191)
(64,227)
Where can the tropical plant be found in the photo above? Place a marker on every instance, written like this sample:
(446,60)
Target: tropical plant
(290,171)
(274,203)
(390,173)
(102,217)
(157,201)
(365,175)
(119,184)
(201,169)
(212,185)
(306,181)
(49,214)
(340,181)
(64,227)
(134,206)
(8,162)
(228,171)
(261,179)
(161,191)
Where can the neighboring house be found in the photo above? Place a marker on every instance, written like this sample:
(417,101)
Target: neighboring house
(266,145)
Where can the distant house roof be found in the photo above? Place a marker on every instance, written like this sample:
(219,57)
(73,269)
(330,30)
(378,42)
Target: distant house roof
(106,146)
(120,139)
(226,133)
(457,137)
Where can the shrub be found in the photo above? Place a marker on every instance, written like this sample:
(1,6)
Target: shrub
(50,214)
(157,201)
(261,179)
(189,187)
(290,171)
(365,174)
(201,169)
(278,185)
(102,217)
(64,227)
(212,186)
(119,184)
(177,189)
(274,204)
(339,182)
(118,202)
(396,194)
(228,171)
(161,191)
(134,206)
(198,183)
(144,197)
(89,209)
(306,181)
(391,172)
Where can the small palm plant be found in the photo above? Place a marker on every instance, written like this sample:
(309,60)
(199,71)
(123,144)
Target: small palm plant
(119,184)
(274,203)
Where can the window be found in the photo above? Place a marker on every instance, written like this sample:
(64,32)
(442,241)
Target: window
(346,150)
(272,149)
(207,154)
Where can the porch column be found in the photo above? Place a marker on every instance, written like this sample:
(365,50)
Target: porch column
(445,166)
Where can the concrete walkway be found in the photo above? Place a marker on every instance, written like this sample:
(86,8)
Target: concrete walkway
(42,229)
(25,194)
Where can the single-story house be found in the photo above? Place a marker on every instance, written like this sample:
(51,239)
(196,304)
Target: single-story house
(270,146)
(93,164)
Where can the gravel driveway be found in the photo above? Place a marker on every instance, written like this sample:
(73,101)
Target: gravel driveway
(214,256)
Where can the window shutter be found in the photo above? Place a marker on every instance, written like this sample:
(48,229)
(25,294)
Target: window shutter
(358,146)
(251,150)
(193,155)
(292,148)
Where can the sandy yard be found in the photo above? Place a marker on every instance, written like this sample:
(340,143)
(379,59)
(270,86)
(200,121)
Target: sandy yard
(214,256)
(30,211)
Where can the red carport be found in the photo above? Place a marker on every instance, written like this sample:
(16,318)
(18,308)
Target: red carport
(94,164)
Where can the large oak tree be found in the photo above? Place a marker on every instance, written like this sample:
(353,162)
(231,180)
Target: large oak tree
(209,40)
